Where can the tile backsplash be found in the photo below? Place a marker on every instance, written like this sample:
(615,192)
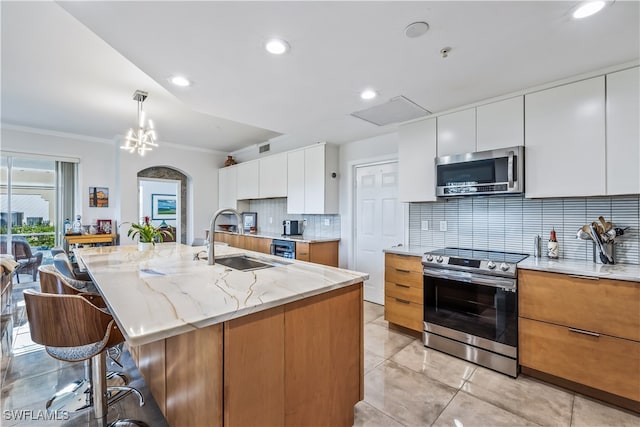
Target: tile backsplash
(510,223)
(271,213)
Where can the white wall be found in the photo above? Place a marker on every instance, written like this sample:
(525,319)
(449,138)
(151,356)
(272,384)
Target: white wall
(383,147)
(104,164)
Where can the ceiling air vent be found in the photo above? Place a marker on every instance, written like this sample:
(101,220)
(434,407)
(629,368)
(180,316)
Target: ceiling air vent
(264,148)
(396,110)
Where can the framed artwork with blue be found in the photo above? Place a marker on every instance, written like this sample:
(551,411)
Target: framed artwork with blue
(163,206)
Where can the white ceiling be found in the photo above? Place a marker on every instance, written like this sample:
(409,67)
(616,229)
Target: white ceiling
(73,66)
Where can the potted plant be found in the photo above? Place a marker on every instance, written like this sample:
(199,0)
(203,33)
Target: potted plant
(147,233)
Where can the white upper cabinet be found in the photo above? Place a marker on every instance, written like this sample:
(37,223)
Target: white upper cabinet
(565,140)
(312,180)
(227,179)
(500,124)
(273,176)
(416,159)
(623,132)
(295,181)
(457,133)
(248,184)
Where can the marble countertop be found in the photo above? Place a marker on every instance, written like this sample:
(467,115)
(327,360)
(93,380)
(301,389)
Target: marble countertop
(630,272)
(305,238)
(163,292)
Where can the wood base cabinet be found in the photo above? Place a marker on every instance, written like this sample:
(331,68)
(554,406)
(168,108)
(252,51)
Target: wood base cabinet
(325,253)
(583,330)
(403,291)
(299,364)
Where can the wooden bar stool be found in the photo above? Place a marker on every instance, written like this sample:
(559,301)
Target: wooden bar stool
(73,329)
(76,396)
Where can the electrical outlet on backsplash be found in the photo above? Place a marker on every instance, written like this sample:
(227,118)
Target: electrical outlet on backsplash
(510,223)
(276,210)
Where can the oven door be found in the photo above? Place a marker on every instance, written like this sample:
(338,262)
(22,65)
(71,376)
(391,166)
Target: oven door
(473,308)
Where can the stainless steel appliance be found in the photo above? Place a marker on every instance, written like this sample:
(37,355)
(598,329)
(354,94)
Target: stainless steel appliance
(283,248)
(498,171)
(471,306)
(292,228)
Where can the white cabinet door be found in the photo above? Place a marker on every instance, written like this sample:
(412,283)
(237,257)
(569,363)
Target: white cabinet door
(248,180)
(457,133)
(565,140)
(623,132)
(314,180)
(416,155)
(273,176)
(295,182)
(500,124)
(227,179)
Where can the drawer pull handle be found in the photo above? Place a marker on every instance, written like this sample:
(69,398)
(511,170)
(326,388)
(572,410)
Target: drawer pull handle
(404,301)
(580,331)
(402,271)
(402,286)
(577,276)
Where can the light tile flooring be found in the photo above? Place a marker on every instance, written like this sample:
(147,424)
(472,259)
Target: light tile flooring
(405,385)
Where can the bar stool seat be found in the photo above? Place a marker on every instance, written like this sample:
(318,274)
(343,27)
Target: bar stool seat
(73,329)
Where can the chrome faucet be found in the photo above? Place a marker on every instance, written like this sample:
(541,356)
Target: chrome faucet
(212,225)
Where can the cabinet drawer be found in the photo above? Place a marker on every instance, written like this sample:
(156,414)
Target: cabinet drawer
(599,305)
(602,362)
(405,292)
(404,262)
(404,313)
(415,280)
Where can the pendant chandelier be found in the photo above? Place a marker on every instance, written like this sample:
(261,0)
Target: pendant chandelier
(144,138)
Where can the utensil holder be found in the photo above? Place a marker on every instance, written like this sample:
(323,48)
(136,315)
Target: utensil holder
(609,247)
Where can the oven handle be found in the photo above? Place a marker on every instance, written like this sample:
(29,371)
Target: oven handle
(478,279)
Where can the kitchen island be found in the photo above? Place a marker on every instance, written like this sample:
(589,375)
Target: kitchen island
(217,346)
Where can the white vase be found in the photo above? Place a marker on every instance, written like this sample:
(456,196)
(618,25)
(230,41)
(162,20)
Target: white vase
(145,246)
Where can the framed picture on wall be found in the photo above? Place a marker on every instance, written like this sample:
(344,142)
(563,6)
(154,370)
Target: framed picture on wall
(163,206)
(98,197)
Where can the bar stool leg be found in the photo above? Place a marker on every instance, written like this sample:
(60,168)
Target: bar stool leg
(99,373)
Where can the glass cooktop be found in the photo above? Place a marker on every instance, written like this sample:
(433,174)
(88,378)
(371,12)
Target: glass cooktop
(495,256)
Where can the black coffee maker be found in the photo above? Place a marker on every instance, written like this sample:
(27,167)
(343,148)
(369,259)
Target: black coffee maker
(292,228)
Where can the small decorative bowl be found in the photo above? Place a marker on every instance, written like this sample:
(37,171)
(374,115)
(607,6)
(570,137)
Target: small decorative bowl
(227,227)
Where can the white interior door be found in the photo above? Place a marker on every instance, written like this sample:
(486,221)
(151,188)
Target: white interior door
(379,223)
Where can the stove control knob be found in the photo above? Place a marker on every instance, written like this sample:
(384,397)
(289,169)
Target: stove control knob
(439,258)
(504,266)
(429,257)
(491,265)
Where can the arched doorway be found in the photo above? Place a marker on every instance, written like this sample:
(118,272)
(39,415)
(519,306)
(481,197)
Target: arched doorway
(167,173)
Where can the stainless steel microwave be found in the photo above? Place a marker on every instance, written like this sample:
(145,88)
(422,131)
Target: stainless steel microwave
(498,171)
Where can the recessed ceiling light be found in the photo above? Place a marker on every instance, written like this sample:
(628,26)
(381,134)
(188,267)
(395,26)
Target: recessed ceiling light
(416,29)
(277,46)
(180,81)
(588,9)
(368,94)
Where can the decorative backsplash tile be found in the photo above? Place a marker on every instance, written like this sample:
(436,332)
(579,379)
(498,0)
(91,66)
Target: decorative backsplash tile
(510,223)
(276,211)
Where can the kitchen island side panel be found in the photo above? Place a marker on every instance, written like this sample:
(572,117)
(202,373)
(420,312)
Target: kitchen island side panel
(297,364)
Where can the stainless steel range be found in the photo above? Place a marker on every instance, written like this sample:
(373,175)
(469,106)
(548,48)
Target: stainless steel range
(471,306)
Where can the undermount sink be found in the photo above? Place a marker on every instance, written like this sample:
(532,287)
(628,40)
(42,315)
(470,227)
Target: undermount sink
(242,263)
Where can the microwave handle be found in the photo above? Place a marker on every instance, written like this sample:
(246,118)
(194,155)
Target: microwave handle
(510,171)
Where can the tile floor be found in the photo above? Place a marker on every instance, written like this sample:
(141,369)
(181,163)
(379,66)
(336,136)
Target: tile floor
(405,385)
